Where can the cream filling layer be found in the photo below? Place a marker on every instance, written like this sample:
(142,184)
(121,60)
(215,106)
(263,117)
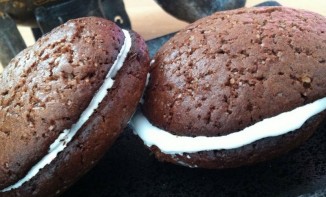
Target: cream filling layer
(269,127)
(66,136)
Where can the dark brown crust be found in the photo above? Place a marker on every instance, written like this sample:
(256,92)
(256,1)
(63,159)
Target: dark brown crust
(98,133)
(259,151)
(235,68)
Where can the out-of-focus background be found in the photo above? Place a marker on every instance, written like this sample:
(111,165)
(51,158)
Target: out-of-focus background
(150,20)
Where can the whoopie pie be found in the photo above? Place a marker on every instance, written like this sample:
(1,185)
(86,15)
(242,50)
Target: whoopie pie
(64,101)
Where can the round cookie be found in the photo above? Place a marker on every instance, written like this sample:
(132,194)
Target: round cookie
(64,101)
(236,88)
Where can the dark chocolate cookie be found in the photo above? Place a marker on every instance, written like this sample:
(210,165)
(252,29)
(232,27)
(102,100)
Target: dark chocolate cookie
(236,88)
(64,101)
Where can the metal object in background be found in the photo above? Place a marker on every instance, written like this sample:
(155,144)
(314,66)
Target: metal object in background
(52,16)
(22,11)
(192,10)
(268,3)
(44,15)
(115,11)
(11,42)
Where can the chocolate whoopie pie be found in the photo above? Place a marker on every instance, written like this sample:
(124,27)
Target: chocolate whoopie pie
(236,88)
(64,101)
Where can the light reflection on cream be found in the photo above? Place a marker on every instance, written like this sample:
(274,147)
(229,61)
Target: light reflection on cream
(269,127)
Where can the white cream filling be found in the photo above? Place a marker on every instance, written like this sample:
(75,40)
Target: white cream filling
(66,136)
(269,127)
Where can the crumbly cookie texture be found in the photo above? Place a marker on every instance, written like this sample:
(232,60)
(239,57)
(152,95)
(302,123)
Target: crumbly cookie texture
(234,68)
(45,89)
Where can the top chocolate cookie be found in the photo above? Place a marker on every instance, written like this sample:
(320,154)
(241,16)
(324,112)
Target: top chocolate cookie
(232,69)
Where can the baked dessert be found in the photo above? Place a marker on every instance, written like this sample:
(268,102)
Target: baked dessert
(64,101)
(236,88)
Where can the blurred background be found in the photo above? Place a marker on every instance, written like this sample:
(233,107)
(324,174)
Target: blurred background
(150,18)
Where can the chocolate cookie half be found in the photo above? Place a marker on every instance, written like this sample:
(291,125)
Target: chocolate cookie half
(236,88)
(64,101)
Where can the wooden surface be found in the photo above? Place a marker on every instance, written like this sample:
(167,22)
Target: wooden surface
(150,21)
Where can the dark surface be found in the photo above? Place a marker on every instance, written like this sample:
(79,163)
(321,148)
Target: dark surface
(129,169)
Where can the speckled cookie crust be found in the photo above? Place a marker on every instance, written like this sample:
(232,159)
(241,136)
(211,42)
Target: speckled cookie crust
(235,68)
(46,87)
